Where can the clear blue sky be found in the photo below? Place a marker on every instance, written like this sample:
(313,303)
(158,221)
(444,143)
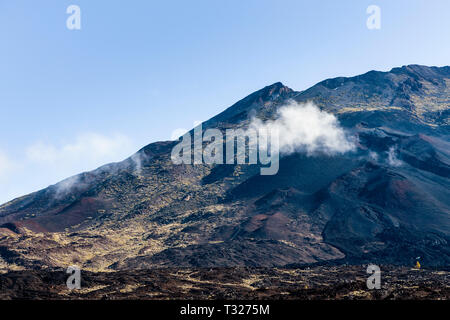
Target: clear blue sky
(71,100)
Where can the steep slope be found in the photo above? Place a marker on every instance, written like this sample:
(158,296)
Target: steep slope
(388,201)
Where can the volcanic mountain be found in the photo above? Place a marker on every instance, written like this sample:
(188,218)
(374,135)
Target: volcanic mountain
(387,201)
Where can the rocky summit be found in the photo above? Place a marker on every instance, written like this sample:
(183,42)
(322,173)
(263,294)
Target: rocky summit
(387,201)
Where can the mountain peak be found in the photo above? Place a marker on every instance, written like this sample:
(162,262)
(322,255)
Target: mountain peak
(271,94)
(272,91)
(278,85)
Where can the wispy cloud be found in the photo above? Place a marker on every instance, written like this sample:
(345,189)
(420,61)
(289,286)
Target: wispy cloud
(392,158)
(5,165)
(88,149)
(47,162)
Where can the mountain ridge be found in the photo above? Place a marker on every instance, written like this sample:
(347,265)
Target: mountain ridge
(146,212)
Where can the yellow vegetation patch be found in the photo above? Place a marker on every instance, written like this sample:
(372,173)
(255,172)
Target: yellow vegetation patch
(366,108)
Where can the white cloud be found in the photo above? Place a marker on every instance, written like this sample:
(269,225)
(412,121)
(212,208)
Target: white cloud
(5,165)
(46,163)
(373,156)
(392,158)
(304,127)
(8,169)
(89,148)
